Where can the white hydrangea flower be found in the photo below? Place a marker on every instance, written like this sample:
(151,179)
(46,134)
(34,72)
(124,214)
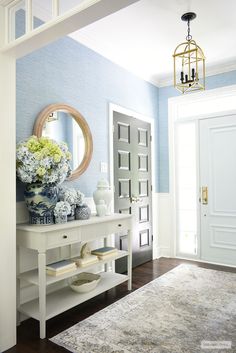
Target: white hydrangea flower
(37,154)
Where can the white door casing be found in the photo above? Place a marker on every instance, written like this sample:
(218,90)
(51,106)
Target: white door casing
(218,174)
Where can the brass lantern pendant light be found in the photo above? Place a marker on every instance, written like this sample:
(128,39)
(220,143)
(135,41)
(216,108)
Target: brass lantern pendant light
(189,62)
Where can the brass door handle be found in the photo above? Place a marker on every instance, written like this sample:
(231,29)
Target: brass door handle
(204,195)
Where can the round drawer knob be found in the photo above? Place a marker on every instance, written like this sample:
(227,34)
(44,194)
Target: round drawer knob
(64,237)
(119,225)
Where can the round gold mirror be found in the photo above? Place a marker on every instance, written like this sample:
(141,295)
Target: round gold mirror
(61,122)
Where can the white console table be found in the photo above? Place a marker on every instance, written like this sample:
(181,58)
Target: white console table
(43,238)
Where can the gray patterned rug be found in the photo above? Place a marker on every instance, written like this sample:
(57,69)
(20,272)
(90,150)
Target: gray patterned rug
(187,310)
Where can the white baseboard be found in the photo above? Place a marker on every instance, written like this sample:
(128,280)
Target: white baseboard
(205,261)
(158,253)
(165,252)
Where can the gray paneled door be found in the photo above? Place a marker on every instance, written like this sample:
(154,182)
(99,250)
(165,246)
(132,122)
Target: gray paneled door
(132,183)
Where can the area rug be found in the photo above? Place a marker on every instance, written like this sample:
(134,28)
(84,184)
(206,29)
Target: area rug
(187,310)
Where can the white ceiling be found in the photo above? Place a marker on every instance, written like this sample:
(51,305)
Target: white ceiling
(143,36)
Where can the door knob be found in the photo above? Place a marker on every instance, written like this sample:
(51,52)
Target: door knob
(134,199)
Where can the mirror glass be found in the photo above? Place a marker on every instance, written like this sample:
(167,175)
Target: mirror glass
(61,126)
(61,122)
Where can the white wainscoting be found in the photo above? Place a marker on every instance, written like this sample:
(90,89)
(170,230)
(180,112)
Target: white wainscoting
(165,224)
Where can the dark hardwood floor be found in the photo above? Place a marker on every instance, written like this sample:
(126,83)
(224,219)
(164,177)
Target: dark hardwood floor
(28,332)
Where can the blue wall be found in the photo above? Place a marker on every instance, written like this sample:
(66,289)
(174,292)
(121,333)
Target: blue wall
(70,73)
(165,93)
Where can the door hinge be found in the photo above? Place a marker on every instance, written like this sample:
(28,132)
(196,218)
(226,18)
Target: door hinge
(152,237)
(150,138)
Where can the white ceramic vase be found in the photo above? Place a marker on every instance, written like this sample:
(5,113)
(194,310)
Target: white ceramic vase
(101,208)
(103,192)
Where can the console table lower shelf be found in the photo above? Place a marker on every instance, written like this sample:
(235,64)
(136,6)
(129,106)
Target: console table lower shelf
(65,298)
(44,238)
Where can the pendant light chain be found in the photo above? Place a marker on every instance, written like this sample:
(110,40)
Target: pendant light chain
(189,37)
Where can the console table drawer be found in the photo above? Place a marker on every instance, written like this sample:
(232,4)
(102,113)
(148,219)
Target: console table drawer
(103,229)
(62,237)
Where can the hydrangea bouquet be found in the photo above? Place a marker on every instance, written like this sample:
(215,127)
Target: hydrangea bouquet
(61,208)
(43,160)
(72,196)
(61,211)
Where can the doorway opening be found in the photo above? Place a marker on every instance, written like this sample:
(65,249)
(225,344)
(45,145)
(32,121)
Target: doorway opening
(199,153)
(131,176)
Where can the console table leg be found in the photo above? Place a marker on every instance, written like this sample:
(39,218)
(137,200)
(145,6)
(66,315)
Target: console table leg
(130,260)
(106,265)
(42,293)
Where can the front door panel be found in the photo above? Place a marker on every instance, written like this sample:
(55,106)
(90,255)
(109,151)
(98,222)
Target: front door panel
(218,189)
(132,182)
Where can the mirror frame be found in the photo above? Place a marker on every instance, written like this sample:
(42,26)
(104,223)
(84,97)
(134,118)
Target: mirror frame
(41,119)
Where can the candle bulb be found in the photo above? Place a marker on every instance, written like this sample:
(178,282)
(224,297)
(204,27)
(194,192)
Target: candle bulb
(182,76)
(186,78)
(193,73)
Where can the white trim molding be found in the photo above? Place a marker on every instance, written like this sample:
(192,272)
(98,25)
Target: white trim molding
(78,17)
(164,225)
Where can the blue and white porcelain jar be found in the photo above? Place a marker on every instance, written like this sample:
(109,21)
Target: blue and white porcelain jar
(71,216)
(41,200)
(62,218)
(82,212)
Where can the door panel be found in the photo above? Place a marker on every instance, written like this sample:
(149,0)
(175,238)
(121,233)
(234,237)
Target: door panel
(218,175)
(132,182)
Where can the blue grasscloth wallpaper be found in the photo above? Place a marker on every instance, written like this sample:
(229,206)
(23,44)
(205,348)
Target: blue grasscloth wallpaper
(165,93)
(70,73)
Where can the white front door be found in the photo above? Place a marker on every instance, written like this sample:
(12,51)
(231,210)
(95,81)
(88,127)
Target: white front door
(217,138)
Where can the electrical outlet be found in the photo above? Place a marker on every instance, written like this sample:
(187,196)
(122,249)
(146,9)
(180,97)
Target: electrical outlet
(103,167)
